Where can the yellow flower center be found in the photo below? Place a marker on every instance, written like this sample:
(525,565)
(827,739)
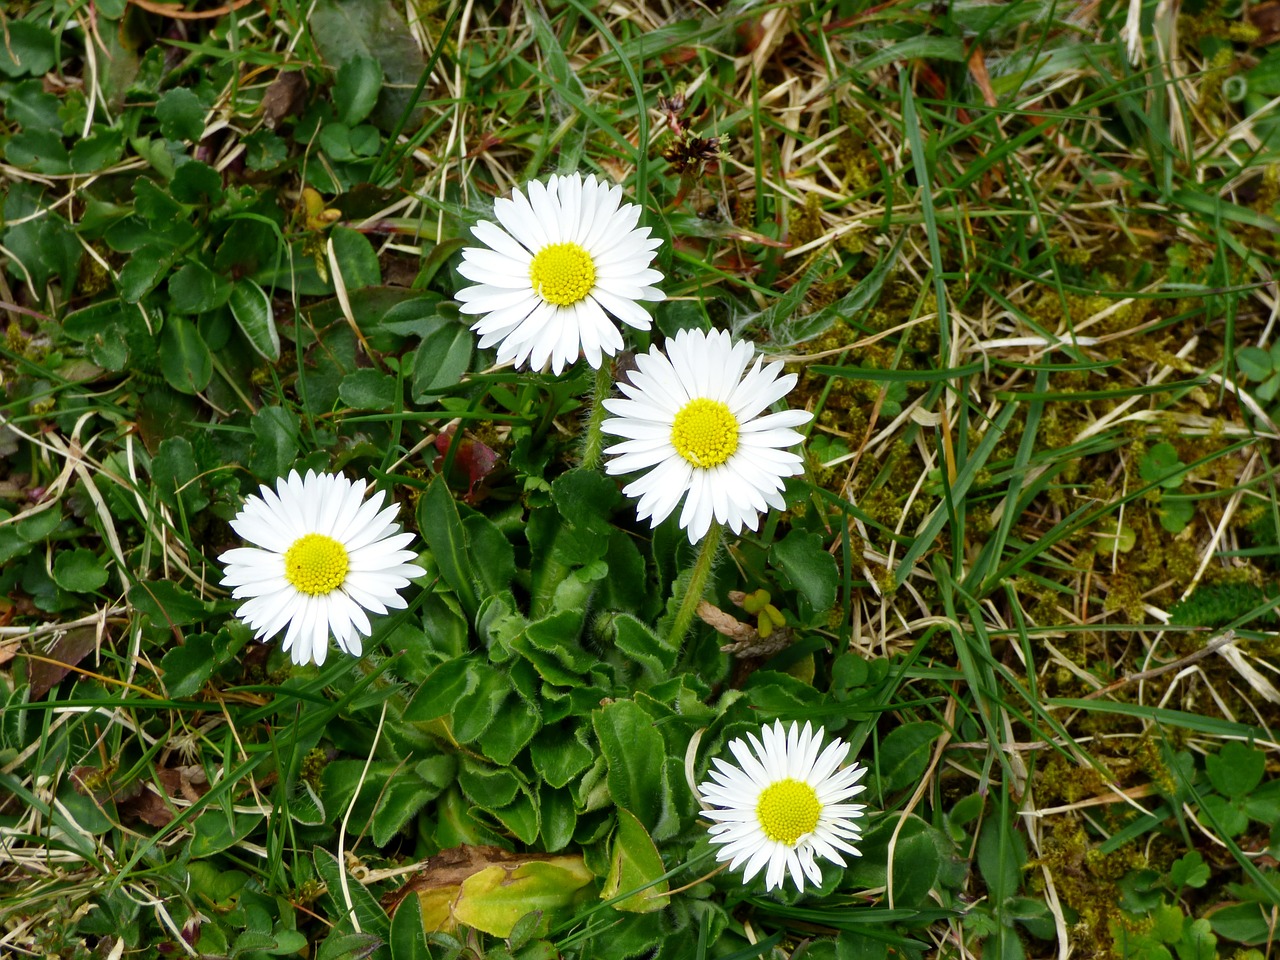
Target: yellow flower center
(788,810)
(316,564)
(562,273)
(705,432)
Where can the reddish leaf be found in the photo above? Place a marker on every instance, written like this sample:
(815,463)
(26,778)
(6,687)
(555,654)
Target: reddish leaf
(471,459)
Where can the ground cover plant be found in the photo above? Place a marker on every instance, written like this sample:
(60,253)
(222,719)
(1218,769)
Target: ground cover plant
(732,480)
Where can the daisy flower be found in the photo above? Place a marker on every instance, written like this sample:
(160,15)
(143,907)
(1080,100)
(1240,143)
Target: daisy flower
(322,555)
(692,420)
(554,268)
(783,803)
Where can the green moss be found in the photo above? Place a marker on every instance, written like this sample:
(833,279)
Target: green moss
(1086,879)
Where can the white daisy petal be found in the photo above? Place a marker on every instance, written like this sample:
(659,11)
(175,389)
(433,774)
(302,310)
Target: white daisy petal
(321,556)
(551,283)
(771,811)
(697,404)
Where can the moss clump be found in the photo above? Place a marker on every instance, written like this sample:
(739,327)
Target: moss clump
(1217,604)
(806,221)
(1086,880)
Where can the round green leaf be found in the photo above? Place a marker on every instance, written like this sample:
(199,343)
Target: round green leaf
(1254,362)
(181,115)
(28,49)
(357,88)
(368,390)
(80,571)
(356,258)
(197,289)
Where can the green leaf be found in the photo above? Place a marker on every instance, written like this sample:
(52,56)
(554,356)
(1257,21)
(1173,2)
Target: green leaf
(1158,462)
(478,707)
(275,443)
(38,149)
(217,830)
(1175,513)
(441,359)
(811,570)
(356,258)
(399,803)
(503,741)
(185,360)
(586,498)
(251,307)
(521,817)
(97,151)
(1254,362)
(188,668)
(37,527)
(634,862)
(904,754)
(488,787)
(634,752)
(342,944)
(174,471)
(1235,770)
(155,205)
(196,182)
(640,643)
(1263,804)
(408,939)
(79,571)
(356,89)
(1168,922)
(142,273)
(1245,923)
(264,150)
(167,603)
(1266,391)
(1197,941)
(1228,812)
(445,536)
(559,756)
(368,390)
(495,898)
(197,289)
(346,29)
(1189,870)
(1001,855)
(559,818)
(447,683)
(181,114)
(27,50)
(917,864)
(373,919)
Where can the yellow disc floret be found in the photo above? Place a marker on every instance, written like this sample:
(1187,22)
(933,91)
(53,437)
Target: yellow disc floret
(316,564)
(562,273)
(705,432)
(788,810)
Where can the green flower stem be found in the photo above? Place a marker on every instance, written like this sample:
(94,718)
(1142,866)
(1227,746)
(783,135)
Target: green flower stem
(697,583)
(593,447)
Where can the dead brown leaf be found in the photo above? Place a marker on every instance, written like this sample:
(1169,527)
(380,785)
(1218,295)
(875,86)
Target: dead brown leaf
(48,670)
(286,96)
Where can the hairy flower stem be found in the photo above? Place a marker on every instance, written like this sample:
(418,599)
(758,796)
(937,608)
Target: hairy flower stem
(593,446)
(697,583)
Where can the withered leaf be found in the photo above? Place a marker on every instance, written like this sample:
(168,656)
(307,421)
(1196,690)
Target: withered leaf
(72,647)
(286,96)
